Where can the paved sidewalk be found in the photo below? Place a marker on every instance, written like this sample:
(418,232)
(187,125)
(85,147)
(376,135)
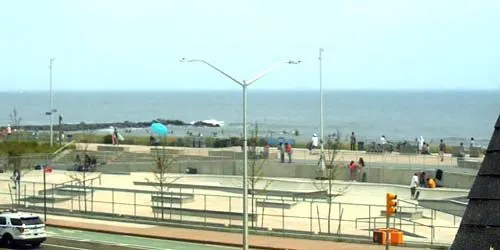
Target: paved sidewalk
(205,236)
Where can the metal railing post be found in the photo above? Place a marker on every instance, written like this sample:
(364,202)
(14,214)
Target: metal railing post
(53,191)
(24,195)
(283,214)
(112,201)
(205,209)
(135,204)
(369,219)
(91,199)
(311,216)
(230,207)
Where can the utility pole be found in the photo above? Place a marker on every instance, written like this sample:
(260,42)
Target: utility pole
(51,108)
(322,148)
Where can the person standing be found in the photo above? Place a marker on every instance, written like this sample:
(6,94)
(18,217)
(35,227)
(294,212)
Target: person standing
(442,149)
(413,185)
(288,149)
(314,142)
(360,166)
(352,169)
(281,148)
(472,144)
(353,142)
(266,151)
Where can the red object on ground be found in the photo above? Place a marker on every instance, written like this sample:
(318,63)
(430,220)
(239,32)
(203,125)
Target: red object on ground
(48,169)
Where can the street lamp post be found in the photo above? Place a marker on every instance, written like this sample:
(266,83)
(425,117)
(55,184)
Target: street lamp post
(51,103)
(322,148)
(244,84)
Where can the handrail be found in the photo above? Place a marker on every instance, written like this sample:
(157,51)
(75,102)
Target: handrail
(63,147)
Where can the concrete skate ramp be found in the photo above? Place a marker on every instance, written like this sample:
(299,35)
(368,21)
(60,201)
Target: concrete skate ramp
(450,206)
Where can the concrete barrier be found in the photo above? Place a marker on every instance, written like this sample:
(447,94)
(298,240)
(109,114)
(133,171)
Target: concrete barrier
(202,213)
(112,148)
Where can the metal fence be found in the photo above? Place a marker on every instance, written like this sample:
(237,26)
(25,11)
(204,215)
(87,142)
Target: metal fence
(270,213)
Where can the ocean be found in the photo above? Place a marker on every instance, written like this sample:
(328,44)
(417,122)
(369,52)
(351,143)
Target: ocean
(454,116)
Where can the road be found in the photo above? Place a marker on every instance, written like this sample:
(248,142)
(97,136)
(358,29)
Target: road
(59,239)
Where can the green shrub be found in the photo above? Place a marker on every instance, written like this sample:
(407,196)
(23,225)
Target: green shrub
(107,139)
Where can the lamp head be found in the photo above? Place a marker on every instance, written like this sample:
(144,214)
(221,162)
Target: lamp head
(294,62)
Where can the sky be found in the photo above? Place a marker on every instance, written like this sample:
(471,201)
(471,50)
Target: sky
(136,45)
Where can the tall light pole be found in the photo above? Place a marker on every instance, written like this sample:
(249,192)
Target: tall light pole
(51,108)
(244,84)
(322,148)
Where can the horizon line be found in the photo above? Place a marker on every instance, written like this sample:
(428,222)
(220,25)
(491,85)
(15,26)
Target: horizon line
(258,90)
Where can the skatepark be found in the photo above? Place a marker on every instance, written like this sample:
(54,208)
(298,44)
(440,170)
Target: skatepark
(125,189)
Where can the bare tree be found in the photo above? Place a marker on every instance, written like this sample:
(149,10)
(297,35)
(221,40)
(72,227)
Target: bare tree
(162,166)
(325,181)
(16,121)
(79,176)
(256,163)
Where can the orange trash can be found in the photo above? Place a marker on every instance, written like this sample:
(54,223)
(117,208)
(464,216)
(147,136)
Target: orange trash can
(380,236)
(397,238)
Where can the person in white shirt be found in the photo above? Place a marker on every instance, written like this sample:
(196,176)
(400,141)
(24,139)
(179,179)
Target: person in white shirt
(314,142)
(413,185)
(383,142)
(9,130)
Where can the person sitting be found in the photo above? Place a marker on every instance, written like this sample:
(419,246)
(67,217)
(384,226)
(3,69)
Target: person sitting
(423,179)
(93,163)
(460,150)
(431,183)
(425,149)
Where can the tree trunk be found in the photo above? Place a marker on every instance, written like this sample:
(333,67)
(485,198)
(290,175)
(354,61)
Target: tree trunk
(329,202)
(161,201)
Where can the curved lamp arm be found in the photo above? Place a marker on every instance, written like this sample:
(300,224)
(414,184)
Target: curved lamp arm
(267,71)
(212,66)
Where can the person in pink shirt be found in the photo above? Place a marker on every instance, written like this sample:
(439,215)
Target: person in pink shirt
(352,171)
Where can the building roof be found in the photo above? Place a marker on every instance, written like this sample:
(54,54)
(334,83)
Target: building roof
(480,224)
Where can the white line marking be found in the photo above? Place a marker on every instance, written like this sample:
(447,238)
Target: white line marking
(110,243)
(64,247)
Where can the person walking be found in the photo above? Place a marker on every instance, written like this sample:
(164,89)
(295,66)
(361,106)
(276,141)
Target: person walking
(353,142)
(413,185)
(442,149)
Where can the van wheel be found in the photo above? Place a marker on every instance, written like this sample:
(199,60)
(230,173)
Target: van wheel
(36,245)
(7,240)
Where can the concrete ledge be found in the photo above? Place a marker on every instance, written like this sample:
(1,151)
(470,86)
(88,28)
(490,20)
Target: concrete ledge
(276,204)
(202,213)
(49,199)
(113,148)
(173,198)
(68,191)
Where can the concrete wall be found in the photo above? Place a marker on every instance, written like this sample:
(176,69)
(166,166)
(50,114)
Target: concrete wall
(375,174)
